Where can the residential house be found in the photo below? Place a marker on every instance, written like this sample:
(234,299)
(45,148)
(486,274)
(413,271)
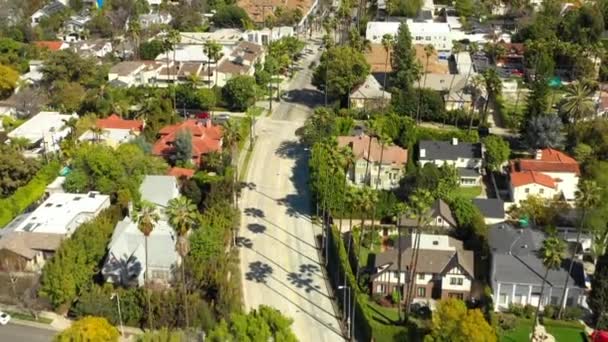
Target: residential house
(97,48)
(206,138)
(375,30)
(54,6)
(228,38)
(180,172)
(439,217)
(44,131)
(512,60)
(51,45)
(453,88)
(467,158)
(516,271)
(551,173)
(155,18)
(116,131)
(126,260)
(241,61)
(423,33)
(267,35)
(369,95)
(444,270)
(32,238)
(74,28)
(492,209)
(370,154)
(258,12)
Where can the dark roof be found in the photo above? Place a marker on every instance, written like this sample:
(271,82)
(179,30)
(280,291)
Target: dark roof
(466,172)
(490,207)
(429,260)
(515,260)
(439,208)
(446,150)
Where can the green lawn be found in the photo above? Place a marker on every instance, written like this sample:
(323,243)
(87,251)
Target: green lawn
(469,191)
(28,317)
(382,314)
(524,327)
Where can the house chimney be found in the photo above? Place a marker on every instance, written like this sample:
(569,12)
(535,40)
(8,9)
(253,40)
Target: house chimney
(454,141)
(539,155)
(422,153)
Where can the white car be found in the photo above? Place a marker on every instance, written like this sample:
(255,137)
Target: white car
(4,318)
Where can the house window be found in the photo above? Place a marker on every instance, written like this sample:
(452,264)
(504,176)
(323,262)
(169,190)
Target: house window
(380,288)
(427,38)
(435,243)
(421,276)
(455,281)
(421,292)
(456,295)
(527,190)
(503,298)
(541,191)
(439,220)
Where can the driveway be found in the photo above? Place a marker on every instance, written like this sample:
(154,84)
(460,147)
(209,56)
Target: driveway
(279,257)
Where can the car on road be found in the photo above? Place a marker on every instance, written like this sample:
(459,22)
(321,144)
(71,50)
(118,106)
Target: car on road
(4,318)
(221,118)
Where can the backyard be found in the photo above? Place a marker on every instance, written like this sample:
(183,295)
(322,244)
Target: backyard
(562,332)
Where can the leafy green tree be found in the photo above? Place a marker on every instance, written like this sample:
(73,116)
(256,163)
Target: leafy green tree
(262,324)
(230,16)
(99,301)
(404,8)
(151,49)
(583,25)
(452,321)
(8,81)
(341,69)
(404,64)
(239,92)
(94,329)
(100,25)
(319,126)
(15,170)
(67,66)
(182,154)
(465,8)
(493,86)
(543,131)
(69,99)
(497,151)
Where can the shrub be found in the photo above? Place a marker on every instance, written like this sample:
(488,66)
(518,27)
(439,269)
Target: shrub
(516,309)
(572,313)
(528,311)
(12,206)
(549,311)
(395,296)
(506,321)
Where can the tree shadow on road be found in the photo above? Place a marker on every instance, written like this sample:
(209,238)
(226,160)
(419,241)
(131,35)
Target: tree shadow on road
(302,281)
(289,149)
(306,97)
(259,272)
(254,212)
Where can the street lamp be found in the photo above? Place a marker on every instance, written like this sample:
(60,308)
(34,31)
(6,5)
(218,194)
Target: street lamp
(122,328)
(346,290)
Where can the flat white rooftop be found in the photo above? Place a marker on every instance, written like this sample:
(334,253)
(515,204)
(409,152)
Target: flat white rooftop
(62,213)
(41,125)
(427,28)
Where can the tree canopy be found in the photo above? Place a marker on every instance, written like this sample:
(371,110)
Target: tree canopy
(8,81)
(263,324)
(453,322)
(91,329)
(497,151)
(341,69)
(239,92)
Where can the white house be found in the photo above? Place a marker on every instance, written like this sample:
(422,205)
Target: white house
(266,35)
(97,48)
(551,173)
(126,260)
(467,158)
(377,29)
(369,154)
(74,28)
(147,20)
(32,238)
(444,269)
(116,131)
(44,131)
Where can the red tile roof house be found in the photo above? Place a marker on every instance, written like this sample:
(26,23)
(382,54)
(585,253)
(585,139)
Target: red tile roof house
(393,162)
(52,45)
(116,130)
(206,138)
(550,173)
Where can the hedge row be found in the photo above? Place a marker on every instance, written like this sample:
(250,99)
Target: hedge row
(20,200)
(367,327)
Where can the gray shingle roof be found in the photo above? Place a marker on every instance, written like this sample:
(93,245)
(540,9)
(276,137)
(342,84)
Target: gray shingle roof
(439,208)
(515,260)
(490,207)
(445,150)
(466,172)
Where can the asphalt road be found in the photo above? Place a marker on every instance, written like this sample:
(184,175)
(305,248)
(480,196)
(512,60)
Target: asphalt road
(13,332)
(279,258)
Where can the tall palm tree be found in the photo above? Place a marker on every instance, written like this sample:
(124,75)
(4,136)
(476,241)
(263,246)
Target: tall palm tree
(587,197)
(146,217)
(399,209)
(577,104)
(134,31)
(214,51)
(551,254)
(182,215)
(418,208)
(457,48)
(477,86)
(429,50)
(387,42)
(97,133)
(20,143)
(231,136)
(171,40)
(493,86)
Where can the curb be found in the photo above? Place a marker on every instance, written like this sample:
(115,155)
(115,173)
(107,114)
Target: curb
(33,324)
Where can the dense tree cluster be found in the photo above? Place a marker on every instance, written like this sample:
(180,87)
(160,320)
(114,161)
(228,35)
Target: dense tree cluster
(15,170)
(262,324)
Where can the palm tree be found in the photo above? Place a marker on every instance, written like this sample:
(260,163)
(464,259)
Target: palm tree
(551,254)
(493,88)
(171,40)
(399,209)
(182,215)
(577,104)
(418,208)
(231,136)
(134,30)
(387,42)
(587,197)
(20,143)
(214,51)
(97,133)
(477,84)
(146,217)
(429,50)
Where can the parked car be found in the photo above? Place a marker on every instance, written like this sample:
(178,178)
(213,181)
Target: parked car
(203,115)
(221,118)
(4,318)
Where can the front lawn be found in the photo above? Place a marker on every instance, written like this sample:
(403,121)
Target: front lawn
(469,191)
(520,333)
(562,333)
